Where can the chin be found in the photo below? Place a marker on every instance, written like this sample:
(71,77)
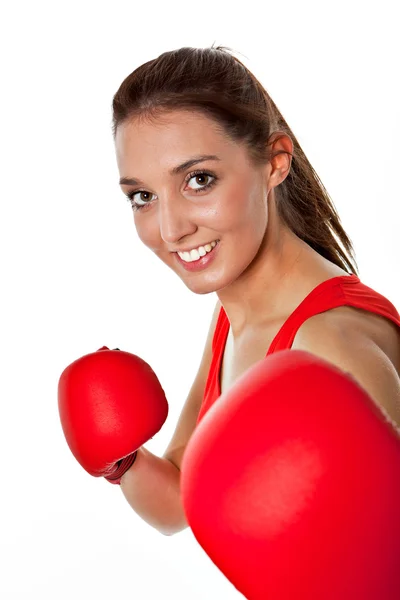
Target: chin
(201,288)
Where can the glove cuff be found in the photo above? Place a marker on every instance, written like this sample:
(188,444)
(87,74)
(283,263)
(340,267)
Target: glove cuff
(121,467)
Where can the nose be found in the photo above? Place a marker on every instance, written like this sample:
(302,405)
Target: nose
(174,218)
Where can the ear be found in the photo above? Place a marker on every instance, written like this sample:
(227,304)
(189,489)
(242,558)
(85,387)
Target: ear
(281,151)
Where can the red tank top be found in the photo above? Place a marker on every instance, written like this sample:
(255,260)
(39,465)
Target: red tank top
(345,290)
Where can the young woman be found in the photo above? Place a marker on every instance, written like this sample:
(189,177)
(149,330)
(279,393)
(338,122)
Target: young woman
(223,194)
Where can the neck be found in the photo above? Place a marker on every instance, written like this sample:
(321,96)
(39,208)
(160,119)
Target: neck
(282,274)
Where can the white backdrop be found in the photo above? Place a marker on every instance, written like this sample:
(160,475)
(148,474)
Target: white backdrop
(75,277)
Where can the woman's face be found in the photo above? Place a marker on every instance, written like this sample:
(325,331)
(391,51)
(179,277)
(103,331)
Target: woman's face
(179,208)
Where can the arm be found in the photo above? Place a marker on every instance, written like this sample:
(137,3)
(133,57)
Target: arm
(152,485)
(357,354)
(152,489)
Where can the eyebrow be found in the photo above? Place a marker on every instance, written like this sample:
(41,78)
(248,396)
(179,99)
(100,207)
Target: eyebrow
(175,171)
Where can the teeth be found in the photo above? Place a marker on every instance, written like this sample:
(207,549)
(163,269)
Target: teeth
(197,253)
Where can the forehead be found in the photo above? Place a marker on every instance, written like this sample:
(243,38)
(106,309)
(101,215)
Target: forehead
(180,132)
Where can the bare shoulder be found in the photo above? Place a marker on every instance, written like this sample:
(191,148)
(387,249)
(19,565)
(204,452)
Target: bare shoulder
(347,319)
(366,348)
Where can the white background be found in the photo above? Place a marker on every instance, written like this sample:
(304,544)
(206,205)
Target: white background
(75,277)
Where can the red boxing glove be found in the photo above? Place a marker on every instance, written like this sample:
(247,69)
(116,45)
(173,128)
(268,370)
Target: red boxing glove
(291,484)
(110,404)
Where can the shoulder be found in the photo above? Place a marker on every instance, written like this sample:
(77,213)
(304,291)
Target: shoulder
(339,337)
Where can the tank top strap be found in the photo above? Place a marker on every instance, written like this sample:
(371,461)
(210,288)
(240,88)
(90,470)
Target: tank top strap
(221,329)
(218,342)
(344,290)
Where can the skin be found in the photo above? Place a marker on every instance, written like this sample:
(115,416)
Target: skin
(262,269)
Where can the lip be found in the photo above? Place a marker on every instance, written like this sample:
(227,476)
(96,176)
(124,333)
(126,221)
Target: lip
(202,263)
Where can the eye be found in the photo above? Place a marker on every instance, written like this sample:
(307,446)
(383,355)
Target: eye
(139,199)
(202,175)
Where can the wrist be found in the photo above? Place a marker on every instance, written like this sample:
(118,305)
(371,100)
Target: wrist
(121,467)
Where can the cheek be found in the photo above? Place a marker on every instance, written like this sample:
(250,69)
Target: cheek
(229,210)
(243,208)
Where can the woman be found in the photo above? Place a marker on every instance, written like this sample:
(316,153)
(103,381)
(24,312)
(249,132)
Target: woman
(223,194)
(206,158)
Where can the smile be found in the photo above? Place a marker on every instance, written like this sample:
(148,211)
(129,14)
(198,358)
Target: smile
(197,253)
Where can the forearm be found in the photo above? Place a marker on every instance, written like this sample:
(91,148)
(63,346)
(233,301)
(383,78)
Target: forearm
(152,488)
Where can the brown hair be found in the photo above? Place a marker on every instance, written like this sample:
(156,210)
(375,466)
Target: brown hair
(217,84)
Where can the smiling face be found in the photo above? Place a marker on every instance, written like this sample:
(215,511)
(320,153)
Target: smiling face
(220,198)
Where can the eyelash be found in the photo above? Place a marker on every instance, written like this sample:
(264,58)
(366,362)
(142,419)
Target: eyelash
(130,195)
